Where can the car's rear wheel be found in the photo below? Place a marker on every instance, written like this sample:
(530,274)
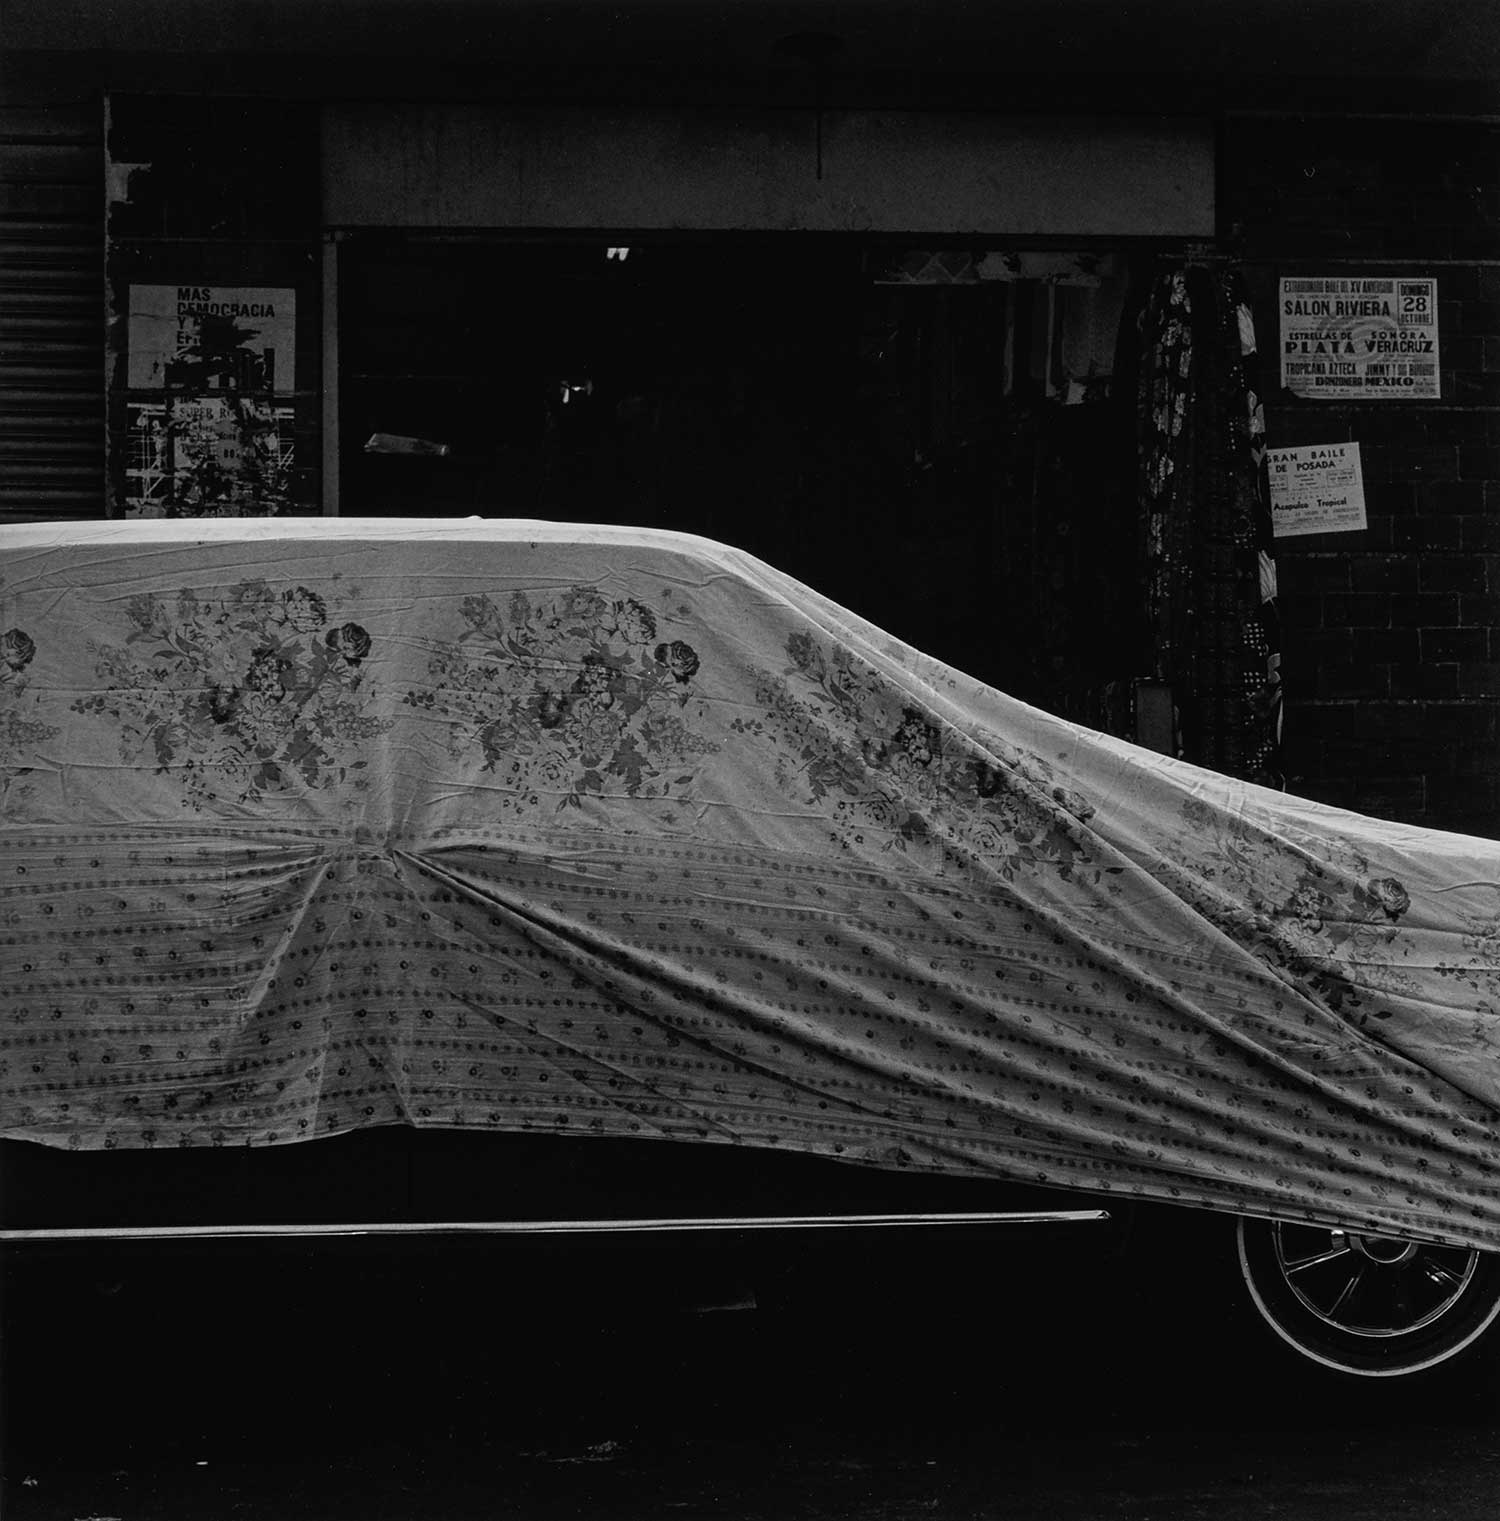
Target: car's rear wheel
(1368,1305)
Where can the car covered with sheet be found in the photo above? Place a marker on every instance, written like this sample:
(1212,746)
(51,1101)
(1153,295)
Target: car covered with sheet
(314,825)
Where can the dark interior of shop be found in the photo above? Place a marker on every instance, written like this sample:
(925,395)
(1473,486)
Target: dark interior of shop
(905,446)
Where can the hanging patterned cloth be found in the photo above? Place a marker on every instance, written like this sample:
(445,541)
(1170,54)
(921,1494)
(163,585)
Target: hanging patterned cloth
(1210,578)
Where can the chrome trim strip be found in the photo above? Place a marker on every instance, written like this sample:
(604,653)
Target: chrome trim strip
(664,1226)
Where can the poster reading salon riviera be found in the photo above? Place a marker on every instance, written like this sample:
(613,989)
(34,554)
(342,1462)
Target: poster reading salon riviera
(1360,337)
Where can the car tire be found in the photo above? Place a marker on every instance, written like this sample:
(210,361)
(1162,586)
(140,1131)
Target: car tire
(1369,1306)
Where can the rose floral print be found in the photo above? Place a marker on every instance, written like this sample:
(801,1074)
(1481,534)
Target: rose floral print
(1314,923)
(568,697)
(242,696)
(17,651)
(20,734)
(890,776)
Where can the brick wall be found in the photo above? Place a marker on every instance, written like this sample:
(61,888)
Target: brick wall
(1392,634)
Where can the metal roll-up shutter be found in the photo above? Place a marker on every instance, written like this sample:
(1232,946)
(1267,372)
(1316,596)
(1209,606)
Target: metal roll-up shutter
(51,312)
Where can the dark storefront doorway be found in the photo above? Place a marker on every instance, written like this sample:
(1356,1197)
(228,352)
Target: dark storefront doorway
(940,451)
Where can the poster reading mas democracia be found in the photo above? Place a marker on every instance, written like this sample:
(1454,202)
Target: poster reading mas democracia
(1364,338)
(212,338)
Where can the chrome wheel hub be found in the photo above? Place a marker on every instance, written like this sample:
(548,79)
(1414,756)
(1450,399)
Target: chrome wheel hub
(1369,1285)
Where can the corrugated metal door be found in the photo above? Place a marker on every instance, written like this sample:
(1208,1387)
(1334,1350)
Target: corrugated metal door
(51,312)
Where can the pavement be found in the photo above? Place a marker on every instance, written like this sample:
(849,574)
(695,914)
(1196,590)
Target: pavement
(1057,1388)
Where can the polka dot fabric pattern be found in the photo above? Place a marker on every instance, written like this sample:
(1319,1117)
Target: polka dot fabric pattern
(516,826)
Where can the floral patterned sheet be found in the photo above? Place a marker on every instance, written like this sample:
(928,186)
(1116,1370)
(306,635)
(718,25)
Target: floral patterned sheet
(311,825)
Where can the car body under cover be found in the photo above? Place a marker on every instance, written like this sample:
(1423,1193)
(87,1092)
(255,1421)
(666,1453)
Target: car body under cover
(502,826)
